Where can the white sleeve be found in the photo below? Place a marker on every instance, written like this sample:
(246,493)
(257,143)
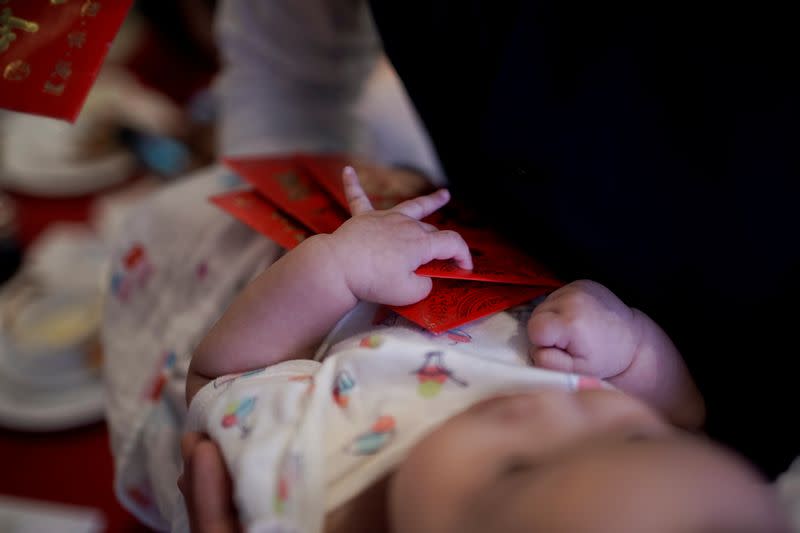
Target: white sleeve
(199,417)
(293,71)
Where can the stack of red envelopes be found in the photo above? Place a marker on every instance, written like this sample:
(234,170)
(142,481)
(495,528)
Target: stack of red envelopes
(297,196)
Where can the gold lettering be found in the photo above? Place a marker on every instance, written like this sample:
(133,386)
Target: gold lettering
(90,8)
(76,39)
(17,70)
(54,89)
(9,23)
(63,70)
(294,187)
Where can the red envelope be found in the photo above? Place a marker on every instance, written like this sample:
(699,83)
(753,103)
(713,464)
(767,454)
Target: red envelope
(255,211)
(515,278)
(327,172)
(453,303)
(52,50)
(494,260)
(289,187)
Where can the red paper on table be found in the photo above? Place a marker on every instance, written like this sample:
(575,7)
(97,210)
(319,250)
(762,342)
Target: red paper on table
(255,211)
(326,169)
(51,52)
(494,260)
(453,302)
(289,187)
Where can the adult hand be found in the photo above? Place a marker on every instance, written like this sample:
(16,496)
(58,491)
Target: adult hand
(206,487)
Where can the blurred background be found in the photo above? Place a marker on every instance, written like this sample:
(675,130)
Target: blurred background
(64,190)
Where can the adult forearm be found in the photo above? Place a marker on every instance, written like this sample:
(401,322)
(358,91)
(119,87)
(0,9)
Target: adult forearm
(292,73)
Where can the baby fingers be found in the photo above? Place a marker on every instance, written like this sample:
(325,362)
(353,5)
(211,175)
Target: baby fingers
(422,206)
(552,359)
(548,329)
(448,244)
(356,197)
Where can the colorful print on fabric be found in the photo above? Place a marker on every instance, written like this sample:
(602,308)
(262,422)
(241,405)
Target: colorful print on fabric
(230,378)
(305,378)
(379,435)
(290,472)
(433,374)
(238,414)
(136,271)
(140,495)
(458,336)
(201,270)
(342,386)
(155,389)
(371,341)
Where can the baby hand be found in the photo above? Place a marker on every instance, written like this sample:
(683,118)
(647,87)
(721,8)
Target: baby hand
(584,328)
(379,251)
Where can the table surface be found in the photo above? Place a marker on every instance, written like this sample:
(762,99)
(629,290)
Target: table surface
(72,467)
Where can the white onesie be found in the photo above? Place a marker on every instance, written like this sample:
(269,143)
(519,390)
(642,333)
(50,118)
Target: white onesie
(302,437)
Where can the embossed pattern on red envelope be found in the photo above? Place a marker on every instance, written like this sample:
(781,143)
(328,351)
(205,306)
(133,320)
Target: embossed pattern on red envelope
(453,303)
(493,260)
(51,52)
(255,211)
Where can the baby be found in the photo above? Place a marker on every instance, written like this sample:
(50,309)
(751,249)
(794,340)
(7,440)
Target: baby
(400,431)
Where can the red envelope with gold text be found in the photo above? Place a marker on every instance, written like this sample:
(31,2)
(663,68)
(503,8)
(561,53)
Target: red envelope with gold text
(327,172)
(258,213)
(51,52)
(292,189)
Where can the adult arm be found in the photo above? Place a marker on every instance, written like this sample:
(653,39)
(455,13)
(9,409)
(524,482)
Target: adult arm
(293,73)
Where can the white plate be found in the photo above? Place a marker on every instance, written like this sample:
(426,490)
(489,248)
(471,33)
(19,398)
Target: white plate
(40,156)
(36,409)
(53,389)
(24,516)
